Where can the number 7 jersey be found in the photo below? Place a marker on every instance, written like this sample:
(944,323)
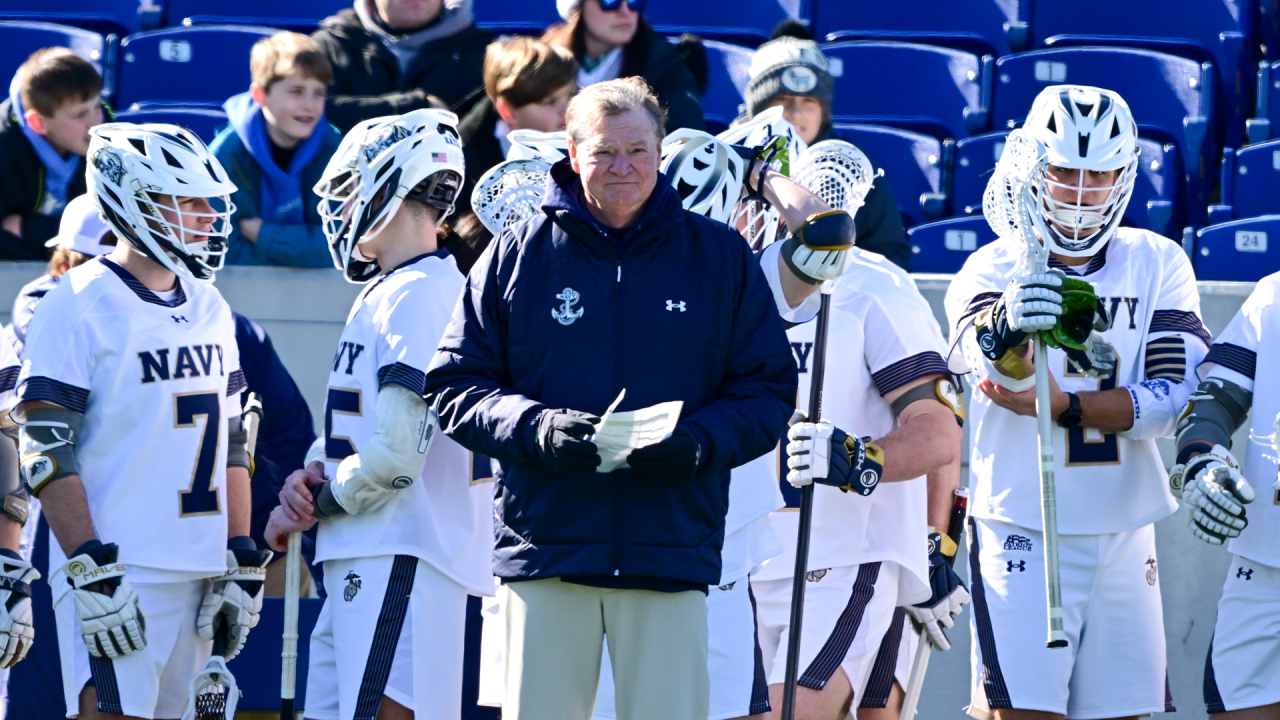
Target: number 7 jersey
(1106,482)
(156,382)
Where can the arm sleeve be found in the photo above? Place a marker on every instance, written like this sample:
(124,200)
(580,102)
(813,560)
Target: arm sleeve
(467,380)
(879,226)
(294,245)
(758,394)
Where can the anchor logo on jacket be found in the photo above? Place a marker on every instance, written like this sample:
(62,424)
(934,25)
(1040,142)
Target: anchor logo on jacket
(565,314)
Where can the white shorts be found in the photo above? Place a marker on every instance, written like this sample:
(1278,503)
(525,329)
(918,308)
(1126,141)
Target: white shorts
(893,661)
(1114,665)
(1241,668)
(152,682)
(847,611)
(369,616)
(734,661)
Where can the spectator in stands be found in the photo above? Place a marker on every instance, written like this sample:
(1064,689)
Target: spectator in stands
(393,56)
(527,84)
(610,39)
(792,72)
(274,150)
(44,133)
(82,236)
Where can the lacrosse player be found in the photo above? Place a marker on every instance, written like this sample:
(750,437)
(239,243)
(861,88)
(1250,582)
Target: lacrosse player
(1121,312)
(130,398)
(400,537)
(1236,377)
(16,573)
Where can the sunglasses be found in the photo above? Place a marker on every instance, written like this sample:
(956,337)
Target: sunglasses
(637,6)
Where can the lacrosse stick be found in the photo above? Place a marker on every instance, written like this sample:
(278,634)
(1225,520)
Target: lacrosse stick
(806,518)
(837,172)
(214,693)
(1009,206)
(550,147)
(510,192)
(919,666)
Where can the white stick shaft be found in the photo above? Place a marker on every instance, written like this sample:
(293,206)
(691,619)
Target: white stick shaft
(1048,497)
(289,651)
(915,684)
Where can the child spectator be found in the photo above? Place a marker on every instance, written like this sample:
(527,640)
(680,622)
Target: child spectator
(528,84)
(82,236)
(44,134)
(274,150)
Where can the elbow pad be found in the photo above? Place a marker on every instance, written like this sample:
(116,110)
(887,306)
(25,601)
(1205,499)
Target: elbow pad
(238,445)
(1213,414)
(11,489)
(1156,404)
(46,445)
(394,457)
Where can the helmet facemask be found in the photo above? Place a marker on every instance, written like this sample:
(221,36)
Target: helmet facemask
(1075,226)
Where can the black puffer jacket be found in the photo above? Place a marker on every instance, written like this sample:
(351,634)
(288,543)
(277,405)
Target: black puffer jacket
(22,191)
(367,81)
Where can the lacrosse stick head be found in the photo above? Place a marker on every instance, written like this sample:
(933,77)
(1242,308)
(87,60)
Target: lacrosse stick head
(214,694)
(510,192)
(1008,201)
(837,172)
(763,132)
(550,147)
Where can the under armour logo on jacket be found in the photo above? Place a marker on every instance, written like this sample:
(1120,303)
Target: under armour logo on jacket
(1021,565)
(180,319)
(673,306)
(1247,574)
(565,315)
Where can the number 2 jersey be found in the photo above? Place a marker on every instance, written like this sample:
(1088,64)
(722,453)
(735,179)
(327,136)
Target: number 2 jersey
(156,382)
(391,335)
(881,336)
(1248,354)
(1106,482)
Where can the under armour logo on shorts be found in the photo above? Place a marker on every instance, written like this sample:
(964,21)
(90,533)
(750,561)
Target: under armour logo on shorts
(1246,573)
(1021,565)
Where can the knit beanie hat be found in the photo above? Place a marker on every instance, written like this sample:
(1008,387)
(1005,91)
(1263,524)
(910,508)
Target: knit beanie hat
(788,66)
(566,7)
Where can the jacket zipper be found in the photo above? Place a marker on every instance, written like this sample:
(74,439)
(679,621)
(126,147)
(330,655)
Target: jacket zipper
(620,352)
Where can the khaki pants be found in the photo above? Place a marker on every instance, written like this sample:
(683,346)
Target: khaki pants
(657,643)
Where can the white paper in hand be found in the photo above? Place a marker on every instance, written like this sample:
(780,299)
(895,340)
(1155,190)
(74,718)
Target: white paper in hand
(620,433)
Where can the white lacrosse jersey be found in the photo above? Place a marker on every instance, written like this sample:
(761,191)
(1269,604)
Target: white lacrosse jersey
(881,335)
(749,537)
(1248,354)
(156,382)
(391,335)
(1105,483)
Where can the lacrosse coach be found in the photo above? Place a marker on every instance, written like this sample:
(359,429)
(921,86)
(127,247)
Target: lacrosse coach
(615,286)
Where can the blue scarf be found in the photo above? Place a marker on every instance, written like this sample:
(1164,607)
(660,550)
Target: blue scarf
(58,172)
(281,198)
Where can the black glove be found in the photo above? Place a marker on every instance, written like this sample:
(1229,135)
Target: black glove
(675,459)
(561,441)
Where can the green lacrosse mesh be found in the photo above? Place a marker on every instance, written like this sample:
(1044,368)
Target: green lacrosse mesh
(1079,307)
(783,158)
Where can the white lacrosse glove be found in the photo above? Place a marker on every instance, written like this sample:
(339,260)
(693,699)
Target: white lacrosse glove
(825,453)
(16,631)
(821,265)
(1216,493)
(235,598)
(949,595)
(1033,302)
(1098,361)
(111,621)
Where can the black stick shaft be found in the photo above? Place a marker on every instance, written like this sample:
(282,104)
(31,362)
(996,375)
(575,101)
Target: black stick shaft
(806,519)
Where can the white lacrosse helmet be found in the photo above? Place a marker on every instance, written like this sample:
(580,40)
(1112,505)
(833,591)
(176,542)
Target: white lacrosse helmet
(706,173)
(132,167)
(1083,128)
(837,172)
(417,155)
(338,181)
(760,130)
(549,147)
(510,192)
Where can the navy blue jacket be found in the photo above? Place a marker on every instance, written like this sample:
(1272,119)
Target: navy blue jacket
(681,312)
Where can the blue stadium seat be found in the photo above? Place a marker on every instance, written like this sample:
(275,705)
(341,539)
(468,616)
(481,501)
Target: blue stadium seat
(19,39)
(119,17)
(982,27)
(1240,250)
(726,80)
(201,65)
(203,121)
(1154,205)
(943,246)
(257,667)
(1250,183)
(298,15)
(913,166)
(939,91)
(1202,30)
(521,17)
(1171,99)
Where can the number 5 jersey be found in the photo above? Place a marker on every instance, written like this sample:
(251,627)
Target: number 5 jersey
(1106,482)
